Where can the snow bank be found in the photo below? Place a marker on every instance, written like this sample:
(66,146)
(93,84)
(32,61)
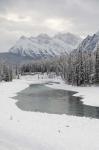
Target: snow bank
(90,95)
(20,130)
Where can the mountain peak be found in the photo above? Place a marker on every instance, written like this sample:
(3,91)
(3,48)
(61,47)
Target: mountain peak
(89,43)
(97,33)
(43,35)
(23,37)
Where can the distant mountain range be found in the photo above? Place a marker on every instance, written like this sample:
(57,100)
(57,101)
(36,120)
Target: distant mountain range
(44,46)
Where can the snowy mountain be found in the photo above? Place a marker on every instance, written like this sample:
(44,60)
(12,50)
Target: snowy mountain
(89,43)
(45,46)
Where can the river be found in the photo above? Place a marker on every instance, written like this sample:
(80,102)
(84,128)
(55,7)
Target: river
(40,98)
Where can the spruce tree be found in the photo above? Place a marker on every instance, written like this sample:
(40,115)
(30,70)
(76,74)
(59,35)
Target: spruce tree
(97,65)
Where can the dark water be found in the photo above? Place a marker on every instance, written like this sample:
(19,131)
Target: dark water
(40,98)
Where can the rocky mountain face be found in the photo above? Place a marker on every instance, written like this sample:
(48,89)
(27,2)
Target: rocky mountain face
(89,43)
(44,46)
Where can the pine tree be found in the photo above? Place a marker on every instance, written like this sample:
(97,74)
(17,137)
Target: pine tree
(97,66)
(80,69)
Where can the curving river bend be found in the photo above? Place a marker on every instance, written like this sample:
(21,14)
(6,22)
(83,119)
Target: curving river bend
(40,98)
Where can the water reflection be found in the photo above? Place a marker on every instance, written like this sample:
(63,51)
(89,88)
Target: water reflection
(44,99)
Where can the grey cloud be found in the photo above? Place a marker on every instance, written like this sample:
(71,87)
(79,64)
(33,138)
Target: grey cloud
(82,15)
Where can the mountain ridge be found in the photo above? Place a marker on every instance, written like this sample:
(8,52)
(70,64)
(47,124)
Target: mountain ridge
(46,46)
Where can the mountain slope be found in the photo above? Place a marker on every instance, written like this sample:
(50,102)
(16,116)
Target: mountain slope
(45,46)
(10,58)
(89,43)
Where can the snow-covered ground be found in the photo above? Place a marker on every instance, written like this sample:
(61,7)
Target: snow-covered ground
(20,130)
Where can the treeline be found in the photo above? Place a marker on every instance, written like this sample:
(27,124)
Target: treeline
(44,65)
(77,68)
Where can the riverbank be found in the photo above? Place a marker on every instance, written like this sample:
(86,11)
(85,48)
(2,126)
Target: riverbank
(89,94)
(20,130)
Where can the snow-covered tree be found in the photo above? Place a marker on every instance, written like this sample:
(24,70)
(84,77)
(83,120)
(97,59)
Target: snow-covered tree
(97,65)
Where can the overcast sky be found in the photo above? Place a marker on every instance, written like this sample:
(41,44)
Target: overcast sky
(31,17)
